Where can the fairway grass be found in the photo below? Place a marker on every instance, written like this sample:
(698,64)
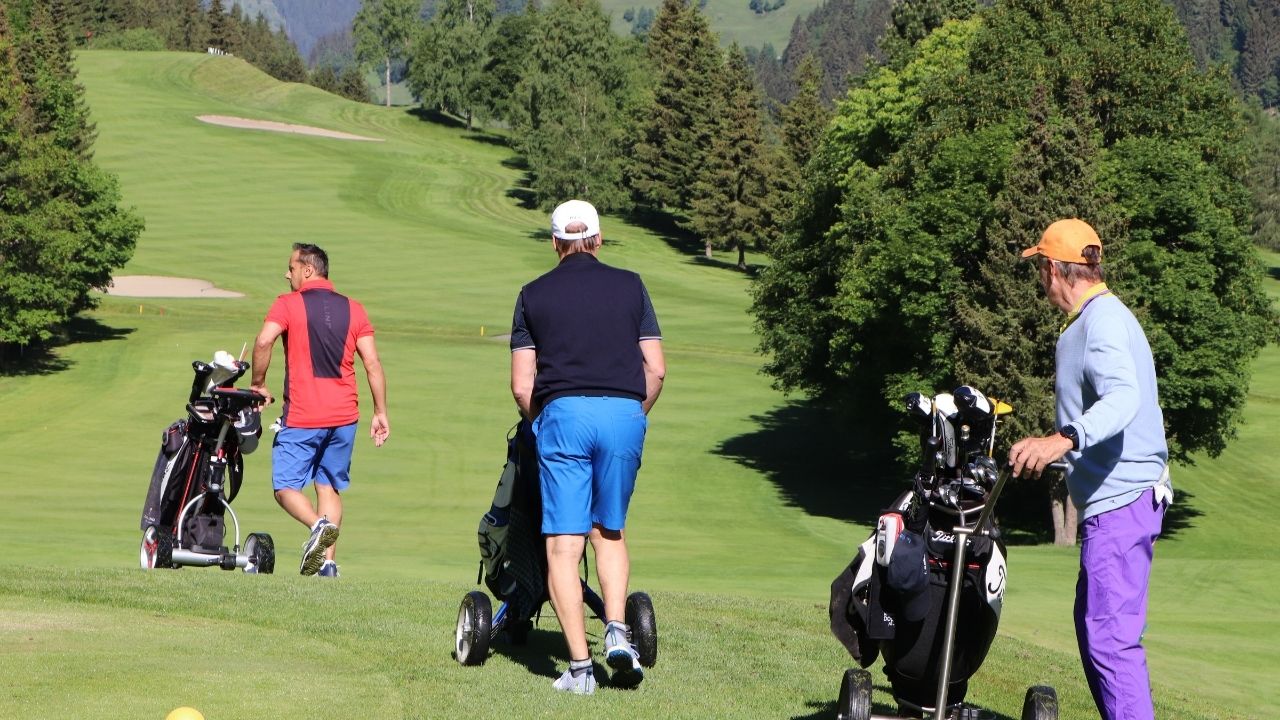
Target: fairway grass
(736,535)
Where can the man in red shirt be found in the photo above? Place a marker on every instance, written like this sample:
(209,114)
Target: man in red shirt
(323,331)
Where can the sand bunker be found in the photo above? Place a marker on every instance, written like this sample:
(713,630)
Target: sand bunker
(170,287)
(271,126)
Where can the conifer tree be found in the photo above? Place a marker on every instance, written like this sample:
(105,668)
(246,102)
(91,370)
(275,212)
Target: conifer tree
(570,106)
(57,99)
(217,36)
(193,26)
(61,230)
(915,19)
(804,118)
(731,206)
(676,133)
(507,54)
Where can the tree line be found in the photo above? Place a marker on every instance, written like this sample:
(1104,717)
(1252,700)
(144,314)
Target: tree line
(62,229)
(670,124)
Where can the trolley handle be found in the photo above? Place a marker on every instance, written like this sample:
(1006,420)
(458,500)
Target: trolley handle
(238,398)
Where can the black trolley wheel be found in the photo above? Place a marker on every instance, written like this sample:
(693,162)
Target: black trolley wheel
(261,551)
(1041,703)
(475,627)
(644,627)
(855,695)
(156,550)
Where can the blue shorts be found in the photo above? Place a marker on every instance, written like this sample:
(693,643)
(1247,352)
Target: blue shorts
(588,456)
(300,455)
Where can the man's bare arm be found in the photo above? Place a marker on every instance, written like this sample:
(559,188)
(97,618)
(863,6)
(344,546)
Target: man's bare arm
(524,366)
(655,371)
(262,348)
(380,428)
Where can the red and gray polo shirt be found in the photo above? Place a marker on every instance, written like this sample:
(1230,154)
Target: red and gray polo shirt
(320,332)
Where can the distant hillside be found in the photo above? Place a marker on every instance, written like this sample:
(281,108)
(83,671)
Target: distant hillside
(306,21)
(253,8)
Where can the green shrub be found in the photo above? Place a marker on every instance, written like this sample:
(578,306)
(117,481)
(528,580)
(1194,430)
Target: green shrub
(141,39)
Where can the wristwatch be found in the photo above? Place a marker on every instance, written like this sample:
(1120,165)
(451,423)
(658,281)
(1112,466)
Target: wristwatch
(1069,432)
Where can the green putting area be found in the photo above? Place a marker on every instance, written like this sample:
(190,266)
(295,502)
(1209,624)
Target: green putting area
(746,508)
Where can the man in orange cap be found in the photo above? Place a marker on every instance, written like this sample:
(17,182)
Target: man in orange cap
(1112,435)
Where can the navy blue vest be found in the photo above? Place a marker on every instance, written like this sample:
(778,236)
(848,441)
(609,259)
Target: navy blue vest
(586,320)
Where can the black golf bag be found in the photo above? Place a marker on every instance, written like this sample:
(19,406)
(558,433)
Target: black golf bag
(199,470)
(513,559)
(513,563)
(891,599)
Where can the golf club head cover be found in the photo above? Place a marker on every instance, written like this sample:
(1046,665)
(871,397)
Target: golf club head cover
(887,531)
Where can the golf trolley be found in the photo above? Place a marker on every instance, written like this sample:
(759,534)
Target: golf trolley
(514,567)
(198,474)
(926,589)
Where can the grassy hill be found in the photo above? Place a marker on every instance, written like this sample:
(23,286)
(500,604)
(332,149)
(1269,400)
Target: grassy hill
(745,510)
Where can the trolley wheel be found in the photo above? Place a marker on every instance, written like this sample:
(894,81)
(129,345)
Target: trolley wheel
(644,627)
(855,695)
(261,551)
(475,626)
(1041,703)
(156,550)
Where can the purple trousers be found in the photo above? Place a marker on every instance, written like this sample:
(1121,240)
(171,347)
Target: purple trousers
(1111,606)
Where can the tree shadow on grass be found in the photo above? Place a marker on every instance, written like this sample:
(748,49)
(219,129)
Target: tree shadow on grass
(666,227)
(1180,515)
(820,463)
(436,117)
(813,457)
(44,359)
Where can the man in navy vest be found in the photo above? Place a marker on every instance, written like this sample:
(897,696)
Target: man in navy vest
(586,367)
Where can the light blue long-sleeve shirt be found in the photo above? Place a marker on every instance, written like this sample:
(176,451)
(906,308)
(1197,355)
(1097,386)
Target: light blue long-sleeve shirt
(1106,388)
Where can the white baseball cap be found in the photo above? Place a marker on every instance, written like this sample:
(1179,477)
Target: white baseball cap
(571,212)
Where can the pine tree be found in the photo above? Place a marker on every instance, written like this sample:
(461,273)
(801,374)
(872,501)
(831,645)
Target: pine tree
(1261,52)
(507,54)
(731,204)
(48,71)
(676,133)
(804,118)
(193,26)
(61,230)
(217,15)
(914,19)
(569,107)
(450,57)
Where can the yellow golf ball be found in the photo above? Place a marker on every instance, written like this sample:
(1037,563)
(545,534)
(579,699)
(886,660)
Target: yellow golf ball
(184,713)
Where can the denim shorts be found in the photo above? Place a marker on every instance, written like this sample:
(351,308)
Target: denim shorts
(588,456)
(301,455)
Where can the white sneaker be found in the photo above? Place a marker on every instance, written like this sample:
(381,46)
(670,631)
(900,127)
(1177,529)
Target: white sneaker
(584,684)
(622,656)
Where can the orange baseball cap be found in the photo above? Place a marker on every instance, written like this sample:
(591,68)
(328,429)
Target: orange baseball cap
(1065,241)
